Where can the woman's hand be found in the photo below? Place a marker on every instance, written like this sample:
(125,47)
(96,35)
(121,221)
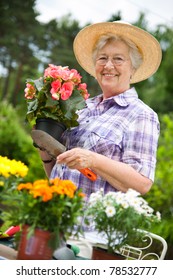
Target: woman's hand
(76,158)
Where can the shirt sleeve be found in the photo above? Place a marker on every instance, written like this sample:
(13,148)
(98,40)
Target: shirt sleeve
(140,143)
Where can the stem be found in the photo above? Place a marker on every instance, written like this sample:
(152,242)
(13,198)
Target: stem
(110,250)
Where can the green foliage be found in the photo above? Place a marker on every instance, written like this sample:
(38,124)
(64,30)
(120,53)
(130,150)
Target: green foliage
(163,185)
(16,143)
(161,194)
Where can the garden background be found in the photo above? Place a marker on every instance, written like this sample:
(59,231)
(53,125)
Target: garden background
(27,46)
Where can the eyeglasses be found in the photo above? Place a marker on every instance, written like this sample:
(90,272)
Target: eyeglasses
(117,60)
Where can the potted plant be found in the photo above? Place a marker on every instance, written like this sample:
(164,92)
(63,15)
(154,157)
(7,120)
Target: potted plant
(118,216)
(44,207)
(56,96)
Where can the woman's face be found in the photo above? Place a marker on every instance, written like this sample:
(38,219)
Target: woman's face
(113,68)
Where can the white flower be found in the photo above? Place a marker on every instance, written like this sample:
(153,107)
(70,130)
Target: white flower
(110,211)
(158,215)
(134,202)
(94,197)
(107,202)
(125,204)
(147,210)
(132,193)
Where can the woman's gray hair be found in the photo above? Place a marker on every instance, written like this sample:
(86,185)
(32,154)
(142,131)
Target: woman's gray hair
(134,53)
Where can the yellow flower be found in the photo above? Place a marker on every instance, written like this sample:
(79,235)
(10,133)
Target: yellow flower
(12,167)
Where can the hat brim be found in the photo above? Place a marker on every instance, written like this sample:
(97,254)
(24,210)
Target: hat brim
(147,44)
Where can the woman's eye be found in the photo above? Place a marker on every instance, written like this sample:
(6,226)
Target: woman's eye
(102,58)
(119,59)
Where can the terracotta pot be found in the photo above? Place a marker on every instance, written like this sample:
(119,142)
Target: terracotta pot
(102,254)
(36,247)
(52,127)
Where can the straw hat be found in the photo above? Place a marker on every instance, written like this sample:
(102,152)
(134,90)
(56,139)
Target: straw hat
(149,47)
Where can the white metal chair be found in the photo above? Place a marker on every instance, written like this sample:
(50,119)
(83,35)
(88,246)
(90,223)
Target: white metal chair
(150,247)
(154,248)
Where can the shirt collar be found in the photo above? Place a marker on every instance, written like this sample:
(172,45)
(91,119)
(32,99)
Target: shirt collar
(123,99)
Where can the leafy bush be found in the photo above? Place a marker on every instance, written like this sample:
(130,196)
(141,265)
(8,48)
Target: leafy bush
(16,142)
(161,194)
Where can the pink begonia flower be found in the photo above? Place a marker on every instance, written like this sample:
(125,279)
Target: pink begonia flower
(55,96)
(66,90)
(75,76)
(83,90)
(29,91)
(54,71)
(65,74)
(51,71)
(55,86)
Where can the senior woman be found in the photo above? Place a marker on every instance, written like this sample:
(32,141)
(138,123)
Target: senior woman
(118,134)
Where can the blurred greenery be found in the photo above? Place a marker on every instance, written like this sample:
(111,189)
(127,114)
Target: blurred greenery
(160,196)
(16,142)
(27,46)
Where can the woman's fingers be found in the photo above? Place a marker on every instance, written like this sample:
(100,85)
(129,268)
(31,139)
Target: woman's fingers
(76,158)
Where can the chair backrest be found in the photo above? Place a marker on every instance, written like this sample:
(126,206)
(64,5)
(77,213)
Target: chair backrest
(152,247)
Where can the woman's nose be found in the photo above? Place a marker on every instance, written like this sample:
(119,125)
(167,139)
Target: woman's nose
(109,64)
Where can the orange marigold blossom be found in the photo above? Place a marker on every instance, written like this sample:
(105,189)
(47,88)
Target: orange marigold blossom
(82,194)
(44,191)
(55,181)
(26,186)
(58,189)
(46,188)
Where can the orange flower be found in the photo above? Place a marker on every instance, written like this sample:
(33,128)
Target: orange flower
(58,189)
(41,188)
(69,188)
(55,181)
(81,195)
(26,186)
(44,191)
(63,187)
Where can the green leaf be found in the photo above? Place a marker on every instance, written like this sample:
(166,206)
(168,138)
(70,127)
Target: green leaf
(39,83)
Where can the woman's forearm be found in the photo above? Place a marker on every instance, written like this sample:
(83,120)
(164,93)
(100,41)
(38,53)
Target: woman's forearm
(120,175)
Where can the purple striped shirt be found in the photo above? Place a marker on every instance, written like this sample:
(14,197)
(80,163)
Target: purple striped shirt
(122,128)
